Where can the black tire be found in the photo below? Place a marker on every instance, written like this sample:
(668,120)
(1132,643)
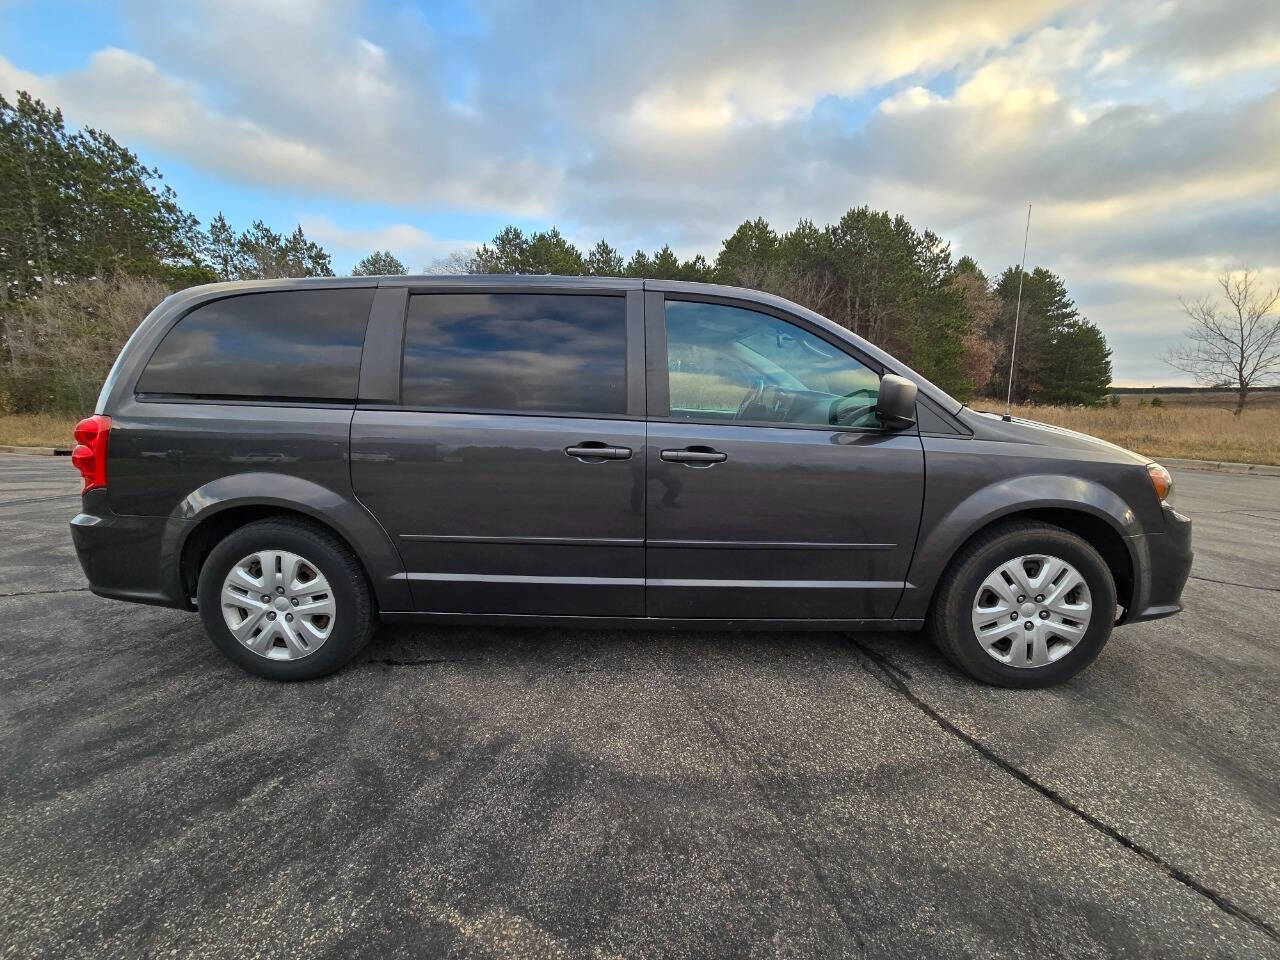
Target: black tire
(353,620)
(950,620)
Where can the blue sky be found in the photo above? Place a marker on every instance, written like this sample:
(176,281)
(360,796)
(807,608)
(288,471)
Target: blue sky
(1145,133)
(52,38)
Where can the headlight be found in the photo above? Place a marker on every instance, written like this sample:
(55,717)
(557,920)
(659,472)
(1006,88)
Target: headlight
(1160,480)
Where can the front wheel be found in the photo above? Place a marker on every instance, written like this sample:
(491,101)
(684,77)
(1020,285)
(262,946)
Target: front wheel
(285,599)
(1025,605)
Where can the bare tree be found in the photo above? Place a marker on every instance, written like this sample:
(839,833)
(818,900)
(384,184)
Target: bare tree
(1233,342)
(454,264)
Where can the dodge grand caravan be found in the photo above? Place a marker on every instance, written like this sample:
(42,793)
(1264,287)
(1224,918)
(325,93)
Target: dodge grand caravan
(298,459)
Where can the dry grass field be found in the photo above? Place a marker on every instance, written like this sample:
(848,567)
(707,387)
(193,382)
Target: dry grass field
(37,430)
(1199,426)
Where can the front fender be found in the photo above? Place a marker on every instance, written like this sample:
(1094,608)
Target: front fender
(347,517)
(947,524)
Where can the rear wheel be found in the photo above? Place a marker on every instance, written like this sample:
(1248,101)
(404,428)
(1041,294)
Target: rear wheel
(285,599)
(1025,605)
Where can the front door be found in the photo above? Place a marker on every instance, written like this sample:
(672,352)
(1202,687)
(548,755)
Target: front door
(773,493)
(511,469)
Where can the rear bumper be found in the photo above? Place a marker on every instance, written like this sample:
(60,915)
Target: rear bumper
(1166,564)
(127,557)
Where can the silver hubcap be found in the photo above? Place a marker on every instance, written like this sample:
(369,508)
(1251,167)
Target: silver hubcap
(278,604)
(1032,611)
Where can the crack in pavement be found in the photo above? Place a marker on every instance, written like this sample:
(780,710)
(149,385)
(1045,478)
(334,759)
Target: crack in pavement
(1233,583)
(886,675)
(433,661)
(36,593)
(424,662)
(18,503)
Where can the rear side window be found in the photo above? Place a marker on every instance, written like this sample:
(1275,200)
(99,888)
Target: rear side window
(519,353)
(290,345)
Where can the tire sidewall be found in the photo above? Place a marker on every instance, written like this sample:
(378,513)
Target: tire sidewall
(1097,576)
(348,634)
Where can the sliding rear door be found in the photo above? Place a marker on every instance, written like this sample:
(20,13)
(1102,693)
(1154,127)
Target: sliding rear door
(510,467)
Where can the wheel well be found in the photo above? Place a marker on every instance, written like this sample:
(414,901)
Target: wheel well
(211,531)
(1093,530)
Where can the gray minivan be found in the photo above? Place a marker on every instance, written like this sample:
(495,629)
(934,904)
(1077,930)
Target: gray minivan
(298,459)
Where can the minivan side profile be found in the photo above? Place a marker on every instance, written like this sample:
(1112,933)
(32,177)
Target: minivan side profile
(299,459)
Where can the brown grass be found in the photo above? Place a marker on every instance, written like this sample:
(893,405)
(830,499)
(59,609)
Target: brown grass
(37,429)
(1179,428)
(61,344)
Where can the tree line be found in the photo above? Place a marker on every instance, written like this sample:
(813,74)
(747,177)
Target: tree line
(872,273)
(91,239)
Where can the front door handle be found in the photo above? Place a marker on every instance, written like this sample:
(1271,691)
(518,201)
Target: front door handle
(694,456)
(594,451)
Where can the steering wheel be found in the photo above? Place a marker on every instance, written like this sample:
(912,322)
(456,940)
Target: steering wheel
(752,401)
(844,412)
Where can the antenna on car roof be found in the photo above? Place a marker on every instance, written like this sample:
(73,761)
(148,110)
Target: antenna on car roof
(1017,314)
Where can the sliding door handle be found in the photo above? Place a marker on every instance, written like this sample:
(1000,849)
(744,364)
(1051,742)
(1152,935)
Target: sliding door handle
(593,451)
(694,456)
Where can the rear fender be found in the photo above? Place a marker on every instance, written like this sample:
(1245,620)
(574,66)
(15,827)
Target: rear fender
(346,517)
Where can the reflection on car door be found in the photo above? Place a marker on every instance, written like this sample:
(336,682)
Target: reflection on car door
(758,506)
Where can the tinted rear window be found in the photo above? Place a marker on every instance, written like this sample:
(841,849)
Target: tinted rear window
(534,352)
(292,345)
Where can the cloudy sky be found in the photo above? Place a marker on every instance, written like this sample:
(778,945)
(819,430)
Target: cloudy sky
(1146,133)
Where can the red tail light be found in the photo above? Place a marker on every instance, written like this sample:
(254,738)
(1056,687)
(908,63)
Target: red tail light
(90,454)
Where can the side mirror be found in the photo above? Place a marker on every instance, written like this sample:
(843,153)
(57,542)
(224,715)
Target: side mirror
(896,403)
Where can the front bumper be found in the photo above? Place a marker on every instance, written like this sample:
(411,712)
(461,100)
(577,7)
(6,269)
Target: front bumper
(128,557)
(1165,564)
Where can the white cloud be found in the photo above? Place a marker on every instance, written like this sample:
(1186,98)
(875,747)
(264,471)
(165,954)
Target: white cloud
(413,246)
(762,62)
(909,100)
(284,96)
(1145,133)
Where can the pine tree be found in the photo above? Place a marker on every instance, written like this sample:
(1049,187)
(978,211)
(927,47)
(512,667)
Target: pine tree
(1060,357)
(604,261)
(263,254)
(639,266)
(220,249)
(79,205)
(508,253)
(747,255)
(380,263)
(551,253)
(666,265)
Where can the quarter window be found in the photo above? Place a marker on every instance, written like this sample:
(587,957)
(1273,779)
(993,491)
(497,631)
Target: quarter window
(289,345)
(732,364)
(519,353)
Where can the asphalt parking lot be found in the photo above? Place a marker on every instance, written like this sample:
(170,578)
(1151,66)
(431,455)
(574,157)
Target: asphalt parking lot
(477,792)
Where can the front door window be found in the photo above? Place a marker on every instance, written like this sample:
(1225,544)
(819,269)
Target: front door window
(735,365)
